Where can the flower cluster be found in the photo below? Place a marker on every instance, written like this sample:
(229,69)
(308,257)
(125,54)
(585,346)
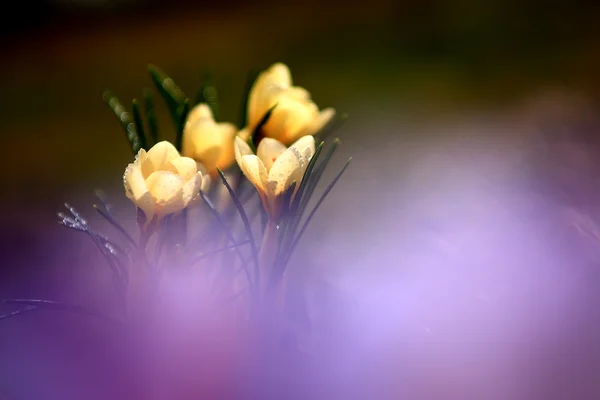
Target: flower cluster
(220,211)
(162,181)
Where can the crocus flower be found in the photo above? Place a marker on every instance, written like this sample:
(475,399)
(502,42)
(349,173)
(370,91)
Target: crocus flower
(295,114)
(161,182)
(274,168)
(208,142)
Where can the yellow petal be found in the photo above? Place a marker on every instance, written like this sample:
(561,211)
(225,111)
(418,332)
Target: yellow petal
(269,97)
(299,93)
(183,166)
(261,94)
(318,123)
(202,141)
(250,164)
(136,189)
(285,170)
(201,111)
(206,180)
(306,147)
(279,73)
(268,151)
(290,119)
(241,148)
(244,134)
(166,190)
(191,188)
(157,157)
(226,157)
(254,170)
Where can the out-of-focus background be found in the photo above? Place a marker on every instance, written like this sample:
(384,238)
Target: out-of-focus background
(467,218)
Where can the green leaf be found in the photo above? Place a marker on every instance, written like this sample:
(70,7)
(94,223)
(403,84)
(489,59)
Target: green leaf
(208,94)
(125,119)
(107,248)
(20,311)
(247,226)
(137,119)
(315,177)
(217,251)
(287,198)
(56,305)
(256,133)
(183,112)
(292,216)
(250,79)
(312,213)
(151,115)
(229,235)
(306,177)
(111,219)
(170,92)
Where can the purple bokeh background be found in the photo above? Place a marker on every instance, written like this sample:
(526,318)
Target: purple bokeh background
(456,259)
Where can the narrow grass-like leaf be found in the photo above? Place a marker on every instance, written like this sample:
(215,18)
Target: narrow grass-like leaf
(250,79)
(247,226)
(150,116)
(18,312)
(137,119)
(170,92)
(256,134)
(312,213)
(217,251)
(287,199)
(295,214)
(306,177)
(315,177)
(101,195)
(230,236)
(107,248)
(310,179)
(208,94)
(183,112)
(56,305)
(289,218)
(105,244)
(101,209)
(125,119)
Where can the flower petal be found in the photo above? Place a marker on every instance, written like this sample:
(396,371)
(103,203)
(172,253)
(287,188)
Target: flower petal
(137,190)
(157,157)
(244,134)
(191,188)
(255,171)
(166,190)
(268,151)
(306,147)
(241,148)
(202,141)
(227,132)
(290,119)
(285,170)
(206,180)
(201,111)
(318,123)
(183,166)
(299,93)
(261,95)
(252,167)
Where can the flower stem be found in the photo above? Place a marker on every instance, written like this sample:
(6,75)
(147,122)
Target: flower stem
(270,288)
(139,279)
